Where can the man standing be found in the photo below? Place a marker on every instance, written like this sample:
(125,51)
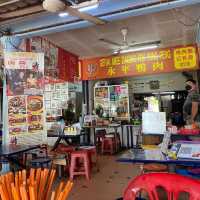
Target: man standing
(191,107)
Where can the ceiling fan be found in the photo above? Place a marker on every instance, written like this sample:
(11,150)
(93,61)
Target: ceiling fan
(71,7)
(125,46)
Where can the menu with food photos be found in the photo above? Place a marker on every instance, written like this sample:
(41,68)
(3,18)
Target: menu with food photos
(189,151)
(35,113)
(25,88)
(112,101)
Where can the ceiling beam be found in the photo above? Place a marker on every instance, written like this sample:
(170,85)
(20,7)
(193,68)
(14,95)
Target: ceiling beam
(7,2)
(22,12)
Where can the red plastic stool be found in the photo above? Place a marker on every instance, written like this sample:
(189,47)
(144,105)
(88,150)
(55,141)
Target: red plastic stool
(108,145)
(173,184)
(75,169)
(92,152)
(100,134)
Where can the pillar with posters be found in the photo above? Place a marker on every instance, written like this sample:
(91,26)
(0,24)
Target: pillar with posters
(25,89)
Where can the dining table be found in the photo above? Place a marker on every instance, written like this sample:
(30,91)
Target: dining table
(115,126)
(147,156)
(9,154)
(68,139)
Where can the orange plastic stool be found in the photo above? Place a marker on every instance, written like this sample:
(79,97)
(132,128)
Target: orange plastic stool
(74,168)
(108,145)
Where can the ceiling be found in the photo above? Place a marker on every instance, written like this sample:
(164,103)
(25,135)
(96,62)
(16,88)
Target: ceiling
(14,5)
(172,27)
(28,18)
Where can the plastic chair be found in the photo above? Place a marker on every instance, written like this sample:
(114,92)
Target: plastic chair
(173,184)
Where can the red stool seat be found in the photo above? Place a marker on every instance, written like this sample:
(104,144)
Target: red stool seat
(74,167)
(92,152)
(100,134)
(108,145)
(64,149)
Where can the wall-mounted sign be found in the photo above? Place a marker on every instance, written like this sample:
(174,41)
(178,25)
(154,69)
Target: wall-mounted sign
(141,63)
(25,85)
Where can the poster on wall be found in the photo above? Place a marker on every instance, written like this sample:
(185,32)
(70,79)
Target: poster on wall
(25,72)
(35,113)
(25,75)
(36,44)
(56,99)
(119,101)
(17,114)
(112,101)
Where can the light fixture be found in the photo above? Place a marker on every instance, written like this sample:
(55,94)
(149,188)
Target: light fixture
(163,93)
(82,7)
(63,14)
(139,48)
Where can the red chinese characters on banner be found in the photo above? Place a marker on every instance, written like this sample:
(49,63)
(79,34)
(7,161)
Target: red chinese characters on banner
(141,63)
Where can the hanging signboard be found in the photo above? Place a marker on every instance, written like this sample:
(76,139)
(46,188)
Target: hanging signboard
(25,86)
(141,63)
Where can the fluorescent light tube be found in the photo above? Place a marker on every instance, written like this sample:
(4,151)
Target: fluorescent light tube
(63,14)
(82,9)
(163,93)
(142,48)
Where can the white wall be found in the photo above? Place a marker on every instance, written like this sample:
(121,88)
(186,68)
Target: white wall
(167,82)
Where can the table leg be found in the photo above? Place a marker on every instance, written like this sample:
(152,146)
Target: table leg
(67,141)
(127,134)
(95,142)
(56,143)
(116,136)
(5,168)
(122,142)
(88,135)
(172,168)
(16,162)
(131,130)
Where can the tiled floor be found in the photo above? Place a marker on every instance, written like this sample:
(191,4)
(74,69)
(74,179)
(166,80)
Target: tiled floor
(108,184)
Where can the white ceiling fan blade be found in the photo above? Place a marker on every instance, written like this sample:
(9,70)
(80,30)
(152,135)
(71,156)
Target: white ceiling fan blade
(110,42)
(56,6)
(75,12)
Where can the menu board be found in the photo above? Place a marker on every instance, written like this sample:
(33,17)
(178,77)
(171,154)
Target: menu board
(112,101)
(25,86)
(119,101)
(189,151)
(35,113)
(17,114)
(101,102)
(56,98)
(153,122)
